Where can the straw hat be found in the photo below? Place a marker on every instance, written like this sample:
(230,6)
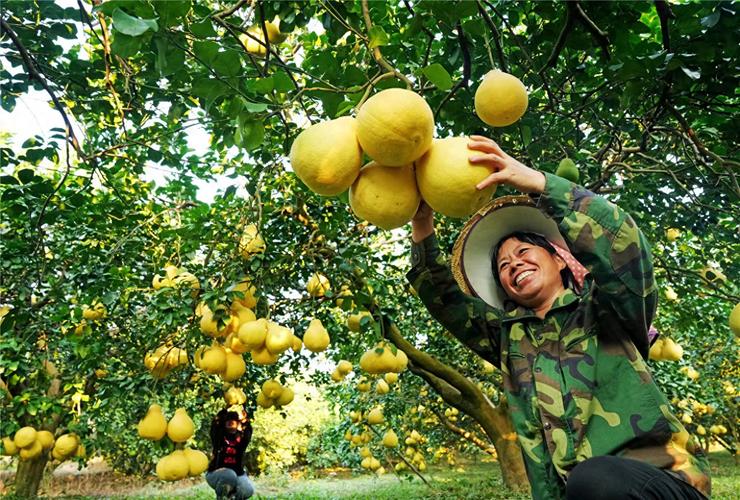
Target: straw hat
(473,250)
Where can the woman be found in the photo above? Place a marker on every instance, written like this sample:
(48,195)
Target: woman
(568,331)
(231,432)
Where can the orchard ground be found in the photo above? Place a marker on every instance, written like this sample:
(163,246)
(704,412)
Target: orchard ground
(477,480)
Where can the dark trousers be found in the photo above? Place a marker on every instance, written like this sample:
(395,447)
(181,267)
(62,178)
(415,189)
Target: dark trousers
(616,478)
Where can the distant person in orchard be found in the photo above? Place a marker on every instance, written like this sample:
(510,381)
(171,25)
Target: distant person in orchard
(557,289)
(231,431)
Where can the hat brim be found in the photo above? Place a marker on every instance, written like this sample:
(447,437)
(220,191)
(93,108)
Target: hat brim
(473,250)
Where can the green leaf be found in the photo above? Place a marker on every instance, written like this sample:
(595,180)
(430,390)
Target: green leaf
(205,50)
(228,63)
(438,75)
(255,107)
(250,135)
(203,29)
(282,82)
(711,20)
(132,26)
(694,75)
(378,37)
(125,46)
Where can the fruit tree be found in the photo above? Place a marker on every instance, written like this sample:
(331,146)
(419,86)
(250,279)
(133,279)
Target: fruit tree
(220,204)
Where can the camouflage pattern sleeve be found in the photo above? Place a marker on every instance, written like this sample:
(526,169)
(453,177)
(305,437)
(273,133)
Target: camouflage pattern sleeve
(607,241)
(470,319)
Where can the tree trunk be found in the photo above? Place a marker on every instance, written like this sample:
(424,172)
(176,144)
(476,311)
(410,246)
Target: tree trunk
(28,476)
(458,391)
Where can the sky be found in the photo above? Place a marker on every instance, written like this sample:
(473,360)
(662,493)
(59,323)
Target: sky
(33,115)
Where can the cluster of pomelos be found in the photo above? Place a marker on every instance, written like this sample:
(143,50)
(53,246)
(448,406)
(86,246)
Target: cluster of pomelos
(29,443)
(395,129)
(274,394)
(181,463)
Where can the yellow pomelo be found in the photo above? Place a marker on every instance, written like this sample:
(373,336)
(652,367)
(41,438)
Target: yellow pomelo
(25,437)
(656,350)
(235,396)
(402,361)
(326,156)
(253,333)
(336,376)
(197,461)
(447,180)
(318,285)
(501,99)
(244,314)
(286,397)
(382,387)
(279,338)
(66,445)
(9,447)
(263,401)
(262,356)
(316,338)
(354,320)
(46,439)
(251,242)
(246,288)
(213,359)
(273,31)
(173,467)
(272,388)
(32,451)
(385,196)
(235,367)
(252,45)
(379,359)
(735,320)
(391,378)
(390,439)
(375,416)
(296,344)
(180,427)
(671,350)
(395,127)
(344,367)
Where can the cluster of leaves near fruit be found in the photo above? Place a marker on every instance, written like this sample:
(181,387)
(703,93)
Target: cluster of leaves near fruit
(75,229)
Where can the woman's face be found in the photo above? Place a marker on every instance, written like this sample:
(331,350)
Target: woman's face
(232,425)
(529,274)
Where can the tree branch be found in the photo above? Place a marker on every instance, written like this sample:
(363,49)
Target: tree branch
(377,54)
(664,14)
(466,69)
(600,36)
(486,447)
(560,43)
(496,37)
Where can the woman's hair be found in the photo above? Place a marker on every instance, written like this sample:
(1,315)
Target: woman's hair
(533,239)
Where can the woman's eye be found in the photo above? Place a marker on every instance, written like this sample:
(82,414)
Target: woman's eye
(501,268)
(523,250)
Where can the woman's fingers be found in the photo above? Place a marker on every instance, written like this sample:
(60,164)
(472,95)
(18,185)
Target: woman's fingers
(490,159)
(485,144)
(494,178)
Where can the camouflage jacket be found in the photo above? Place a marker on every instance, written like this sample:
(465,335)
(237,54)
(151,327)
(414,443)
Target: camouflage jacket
(576,382)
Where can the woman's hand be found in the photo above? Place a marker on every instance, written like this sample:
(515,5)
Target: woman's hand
(507,170)
(422,223)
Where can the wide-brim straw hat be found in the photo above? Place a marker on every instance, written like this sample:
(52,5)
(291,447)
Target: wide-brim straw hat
(473,250)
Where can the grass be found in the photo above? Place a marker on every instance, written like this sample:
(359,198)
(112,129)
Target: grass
(478,481)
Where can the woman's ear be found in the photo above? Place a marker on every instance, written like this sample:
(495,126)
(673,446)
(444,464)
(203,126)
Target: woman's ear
(559,261)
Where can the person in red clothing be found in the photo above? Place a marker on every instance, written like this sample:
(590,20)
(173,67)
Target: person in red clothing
(231,431)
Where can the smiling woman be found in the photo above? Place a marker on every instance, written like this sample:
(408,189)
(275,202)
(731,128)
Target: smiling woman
(571,341)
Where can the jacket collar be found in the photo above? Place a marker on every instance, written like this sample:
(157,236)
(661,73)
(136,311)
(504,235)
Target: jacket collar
(516,312)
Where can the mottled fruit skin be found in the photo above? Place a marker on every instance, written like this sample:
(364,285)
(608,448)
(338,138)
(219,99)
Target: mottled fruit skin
(501,99)
(385,196)
(395,127)
(447,180)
